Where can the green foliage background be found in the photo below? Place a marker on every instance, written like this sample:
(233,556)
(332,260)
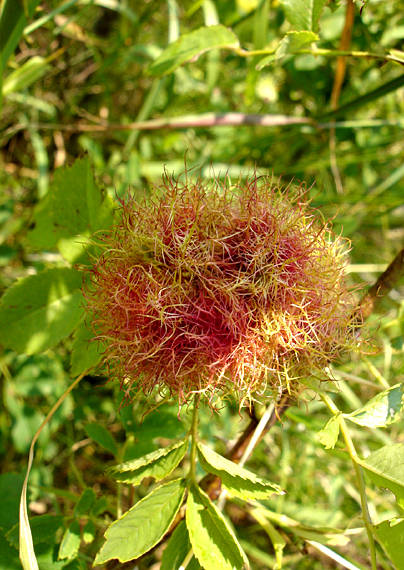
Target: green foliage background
(120,86)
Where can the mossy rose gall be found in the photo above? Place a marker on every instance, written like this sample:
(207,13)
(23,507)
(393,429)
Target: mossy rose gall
(219,288)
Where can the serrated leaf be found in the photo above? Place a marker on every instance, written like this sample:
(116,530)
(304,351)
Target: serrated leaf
(177,549)
(38,311)
(86,352)
(238,481)
(385,468)
(143,526)
(328,436)
(102,436)
(303,14)
(157,464)
(73,206)
(70,542)
(191,45)
(382,410)
(213,541)
(390,534)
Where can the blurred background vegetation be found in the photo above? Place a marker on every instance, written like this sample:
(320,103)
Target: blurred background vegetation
(75,75)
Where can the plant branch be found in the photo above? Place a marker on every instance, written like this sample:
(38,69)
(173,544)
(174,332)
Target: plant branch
(194,439)
(384,284)
(339,77)
(324,52)
(358,472)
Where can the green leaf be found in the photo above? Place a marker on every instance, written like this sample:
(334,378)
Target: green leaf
(385,468)
(382,410)
(38,311)
(70,542)
(85,353)
(73,206)
(177,549)
(144,525)
(238,481)
(8,554)
(191,45)
(85,503)
(290,44)
(213,541)
(89,532)
(303,14)
(329,434)
(12,22)
(293,42)
(102,436)
(157,464)
(43,527)
(390,534)
(24,76)
(10,491)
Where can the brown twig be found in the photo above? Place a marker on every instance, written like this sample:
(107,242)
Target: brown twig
(339,77)
(385,283)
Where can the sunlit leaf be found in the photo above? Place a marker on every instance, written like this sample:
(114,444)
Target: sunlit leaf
(303,14)
(213,541)
(86,354)
(143,525)
(328,436)
(157,464)
(382,410)
(73,206)
(191,45)
(25,75)
(238,481)
(40,310)
(290,44)
(386,468)
(70,542)
(390,534)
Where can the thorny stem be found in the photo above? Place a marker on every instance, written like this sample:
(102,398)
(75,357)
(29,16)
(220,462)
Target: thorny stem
(194,439)
(358,471)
